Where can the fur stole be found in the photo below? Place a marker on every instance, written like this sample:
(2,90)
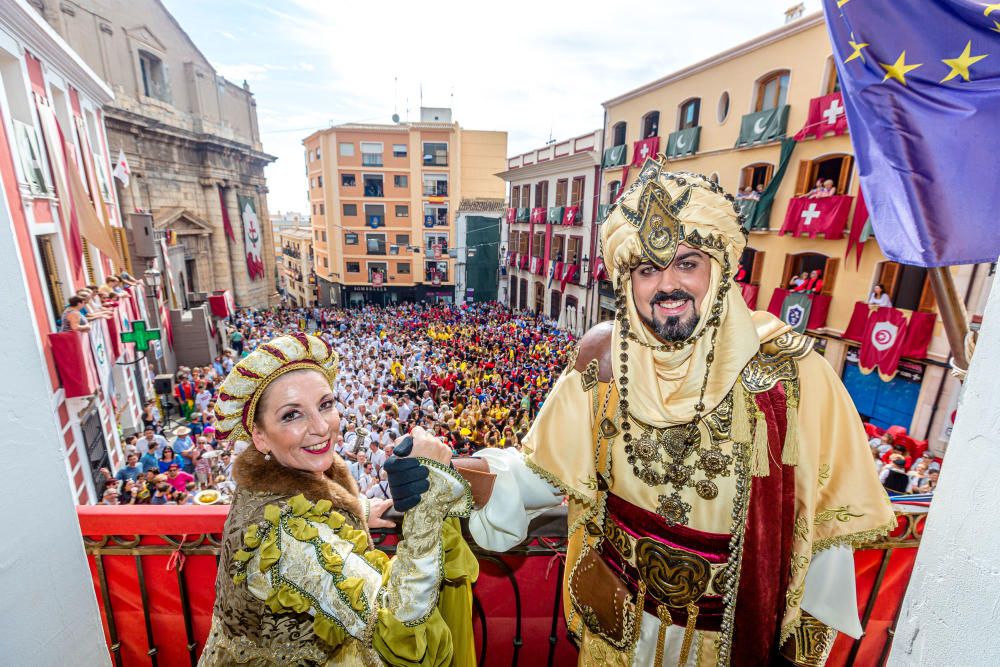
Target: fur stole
(253,473)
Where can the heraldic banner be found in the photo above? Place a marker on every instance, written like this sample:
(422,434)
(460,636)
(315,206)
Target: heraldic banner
(795,310)
(882,343)
(252,237)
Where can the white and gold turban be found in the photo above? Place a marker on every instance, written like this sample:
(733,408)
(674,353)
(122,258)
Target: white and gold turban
(673,383)
(245,384)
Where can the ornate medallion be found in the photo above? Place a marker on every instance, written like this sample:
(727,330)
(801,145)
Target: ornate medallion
(707,489)
(677,441)
(673,576)
(589,376)
(673,509)
(714,462)
(608,429)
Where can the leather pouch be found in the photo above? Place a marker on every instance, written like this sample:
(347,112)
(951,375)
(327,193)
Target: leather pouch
(603,601)
(476,472)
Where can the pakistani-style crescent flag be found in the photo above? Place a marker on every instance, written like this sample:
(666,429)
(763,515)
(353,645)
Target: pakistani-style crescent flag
(921,84)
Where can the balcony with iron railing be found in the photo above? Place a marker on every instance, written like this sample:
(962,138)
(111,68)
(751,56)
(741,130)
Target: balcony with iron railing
(154,572)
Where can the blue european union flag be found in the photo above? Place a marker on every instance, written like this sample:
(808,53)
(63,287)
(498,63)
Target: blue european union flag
(921,85)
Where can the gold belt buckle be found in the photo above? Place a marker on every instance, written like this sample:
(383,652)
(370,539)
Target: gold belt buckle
(673,576)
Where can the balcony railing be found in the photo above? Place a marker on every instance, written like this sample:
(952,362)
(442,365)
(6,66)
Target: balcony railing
(436,190)
(154,572)
(373,190)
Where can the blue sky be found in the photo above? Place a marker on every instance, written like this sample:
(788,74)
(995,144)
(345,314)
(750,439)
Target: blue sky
(530,68)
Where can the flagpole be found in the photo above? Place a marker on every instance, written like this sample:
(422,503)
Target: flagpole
(953,314)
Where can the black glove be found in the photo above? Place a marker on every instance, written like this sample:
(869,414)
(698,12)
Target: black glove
(407,477)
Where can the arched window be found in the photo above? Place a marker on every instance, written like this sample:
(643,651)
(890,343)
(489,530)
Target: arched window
(807,262)
(690,113)
(756,174)
(908,286)
(813,173)
(650,124)
(618,134)
(772,91)
(832,84)
(614,189)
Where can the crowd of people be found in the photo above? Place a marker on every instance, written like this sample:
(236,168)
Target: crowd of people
(475,375)
(901,472)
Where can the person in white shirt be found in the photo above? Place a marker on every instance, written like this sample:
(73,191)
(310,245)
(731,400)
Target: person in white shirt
(367,479)
(375,455)
(380,490)
(405,409)
(148,436)
(202,399)
(878,297)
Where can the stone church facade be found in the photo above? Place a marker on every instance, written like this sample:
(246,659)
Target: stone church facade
(190,137)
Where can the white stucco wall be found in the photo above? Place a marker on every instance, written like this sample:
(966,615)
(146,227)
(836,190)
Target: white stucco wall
(49,611)
(952,607)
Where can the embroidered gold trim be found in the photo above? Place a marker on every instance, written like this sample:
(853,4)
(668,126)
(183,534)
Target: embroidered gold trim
(842,514)
(590,375)
(813,643)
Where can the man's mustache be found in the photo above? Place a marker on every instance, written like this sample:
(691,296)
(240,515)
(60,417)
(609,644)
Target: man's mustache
(676,295)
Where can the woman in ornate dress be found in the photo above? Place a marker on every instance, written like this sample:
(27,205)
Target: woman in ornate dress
(299,581)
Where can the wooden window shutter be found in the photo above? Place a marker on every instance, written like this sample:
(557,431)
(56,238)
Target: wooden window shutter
(927,301)
(758,268)
(889,277)
(802,183)
(52,275)
(746,176)
(88,263)
(122,241)
(830,275)
(844,181)
(786,274)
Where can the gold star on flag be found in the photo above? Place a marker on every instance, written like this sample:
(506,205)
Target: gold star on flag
(961,64)
(996,26)
(990,8)
(841,3)
(857,46)
(898,69)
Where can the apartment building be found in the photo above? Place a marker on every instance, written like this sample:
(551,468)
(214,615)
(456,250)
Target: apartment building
(383,203)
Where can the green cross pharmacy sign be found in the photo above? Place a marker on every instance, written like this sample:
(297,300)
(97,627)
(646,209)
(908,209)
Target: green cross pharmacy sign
(140,335)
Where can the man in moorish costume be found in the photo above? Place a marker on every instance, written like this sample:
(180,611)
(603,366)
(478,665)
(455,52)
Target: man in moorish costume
(717,472)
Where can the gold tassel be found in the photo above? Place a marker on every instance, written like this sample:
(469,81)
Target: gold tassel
(790,452)
(665,622)
(761,457)
(692,611)
(740,428)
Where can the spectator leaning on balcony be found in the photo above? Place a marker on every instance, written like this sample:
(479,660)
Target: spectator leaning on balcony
(299,582)
(878,297)
(72,319)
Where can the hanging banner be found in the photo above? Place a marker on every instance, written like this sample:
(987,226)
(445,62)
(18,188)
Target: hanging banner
(795,310)
(882,344)
(252,237)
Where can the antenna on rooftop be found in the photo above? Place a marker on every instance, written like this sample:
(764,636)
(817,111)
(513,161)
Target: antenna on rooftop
(552,139)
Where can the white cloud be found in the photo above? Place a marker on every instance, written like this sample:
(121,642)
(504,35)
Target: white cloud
(227,35)
(525,67)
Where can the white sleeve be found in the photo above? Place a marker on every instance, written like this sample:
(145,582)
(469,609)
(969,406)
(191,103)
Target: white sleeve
(830,594)
(519,495)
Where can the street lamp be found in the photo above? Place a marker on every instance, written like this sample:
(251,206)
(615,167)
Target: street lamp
(154,280)
(585,268)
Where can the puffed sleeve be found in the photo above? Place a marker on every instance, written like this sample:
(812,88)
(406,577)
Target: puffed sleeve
(306,558)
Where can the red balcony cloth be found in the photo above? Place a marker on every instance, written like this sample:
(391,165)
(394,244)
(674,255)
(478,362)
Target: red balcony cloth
(511,215)
(918,335)
(219,305)
(882,344)
(539,215)
(822,215)
(568,274)
(644,149)
(859,320)
(114,333)
(826,114)
(817,313)
(750,293)
(74,362)
(569,215)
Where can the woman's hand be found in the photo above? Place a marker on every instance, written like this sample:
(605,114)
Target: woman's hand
(428,446)
(376,508)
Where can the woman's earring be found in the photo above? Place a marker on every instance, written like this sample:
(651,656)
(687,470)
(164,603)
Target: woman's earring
(267,457)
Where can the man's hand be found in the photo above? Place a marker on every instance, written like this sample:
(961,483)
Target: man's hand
(376,508)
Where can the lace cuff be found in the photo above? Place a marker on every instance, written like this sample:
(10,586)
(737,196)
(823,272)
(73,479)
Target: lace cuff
(415,573)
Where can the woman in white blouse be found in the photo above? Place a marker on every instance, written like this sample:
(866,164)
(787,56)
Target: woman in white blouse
(878,297)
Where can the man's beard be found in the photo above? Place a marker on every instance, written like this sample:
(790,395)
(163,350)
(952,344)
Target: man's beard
(673,328)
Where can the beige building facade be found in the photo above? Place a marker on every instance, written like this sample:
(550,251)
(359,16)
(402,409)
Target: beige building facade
(295,267)
(189,135)
(549,230)
(716,103)
(383,205)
